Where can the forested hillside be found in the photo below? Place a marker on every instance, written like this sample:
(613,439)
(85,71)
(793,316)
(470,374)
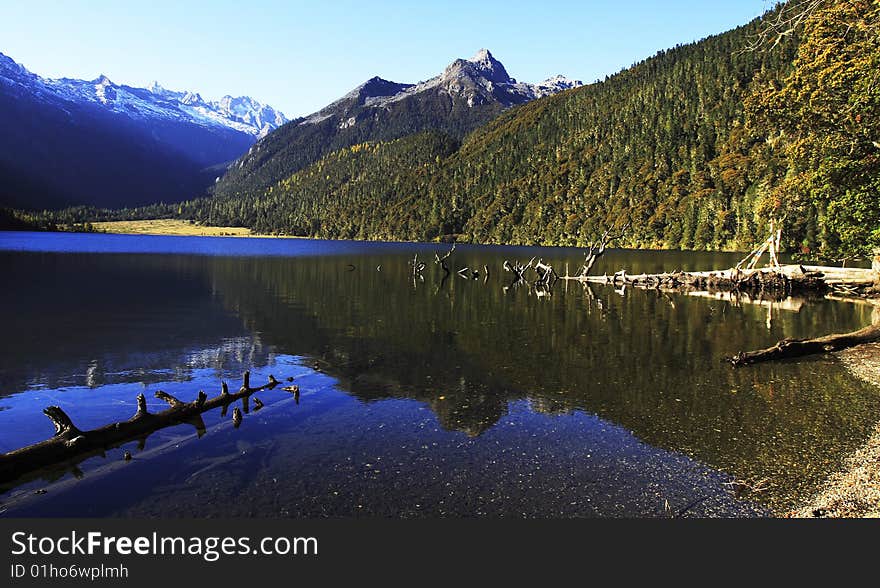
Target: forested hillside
(823,124)
(366,191)
(467,94)
(295,145)
(648,145)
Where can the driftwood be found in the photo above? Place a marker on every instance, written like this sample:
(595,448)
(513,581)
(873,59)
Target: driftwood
(547,276)
(788,348)
(71,445)
(777,283)
(417,269)
(756,282)
(596,249)
(771,246)
(441,261)
(519,270)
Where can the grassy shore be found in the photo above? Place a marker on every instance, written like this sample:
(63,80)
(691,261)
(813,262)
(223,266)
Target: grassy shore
(169,227)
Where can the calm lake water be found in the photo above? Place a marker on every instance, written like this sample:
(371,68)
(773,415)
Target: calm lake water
(419,398)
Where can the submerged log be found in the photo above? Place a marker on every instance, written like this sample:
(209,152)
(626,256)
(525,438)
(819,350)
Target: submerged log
(70,443)
(788,348)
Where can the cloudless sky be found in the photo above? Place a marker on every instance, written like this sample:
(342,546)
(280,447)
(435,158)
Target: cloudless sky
(299,56)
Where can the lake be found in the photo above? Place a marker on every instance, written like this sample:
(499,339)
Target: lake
(419,397)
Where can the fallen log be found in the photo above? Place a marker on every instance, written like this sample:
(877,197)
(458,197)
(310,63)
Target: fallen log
(764,283)
(70,444)
(788,348)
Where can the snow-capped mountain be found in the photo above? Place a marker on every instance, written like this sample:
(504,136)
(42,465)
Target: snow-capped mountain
(162,144)
(558,83)
(243,114)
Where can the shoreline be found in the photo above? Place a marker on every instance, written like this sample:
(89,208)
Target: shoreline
(182,228)
(853,491)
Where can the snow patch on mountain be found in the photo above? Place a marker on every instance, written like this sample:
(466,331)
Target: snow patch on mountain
(242,113)
(558,83)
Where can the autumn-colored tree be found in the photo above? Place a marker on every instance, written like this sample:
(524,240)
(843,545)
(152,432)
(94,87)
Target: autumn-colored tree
(825,119)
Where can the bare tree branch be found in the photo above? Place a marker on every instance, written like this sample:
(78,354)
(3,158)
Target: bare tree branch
(596,249)
(788,18)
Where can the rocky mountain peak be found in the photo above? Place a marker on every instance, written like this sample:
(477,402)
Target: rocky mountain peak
(482,79)
(490,68)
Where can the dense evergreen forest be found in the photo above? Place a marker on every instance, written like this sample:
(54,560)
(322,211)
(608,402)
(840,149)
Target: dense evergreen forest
(698,147)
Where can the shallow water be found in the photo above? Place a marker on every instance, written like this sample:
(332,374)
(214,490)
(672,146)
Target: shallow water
(420,398)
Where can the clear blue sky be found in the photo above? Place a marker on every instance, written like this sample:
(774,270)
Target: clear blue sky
(299,56)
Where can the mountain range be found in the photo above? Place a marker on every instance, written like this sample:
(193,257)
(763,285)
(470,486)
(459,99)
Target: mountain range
(482,79)
(66,141)
(671,146)
(696,147)
(466,95)
(69,142)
